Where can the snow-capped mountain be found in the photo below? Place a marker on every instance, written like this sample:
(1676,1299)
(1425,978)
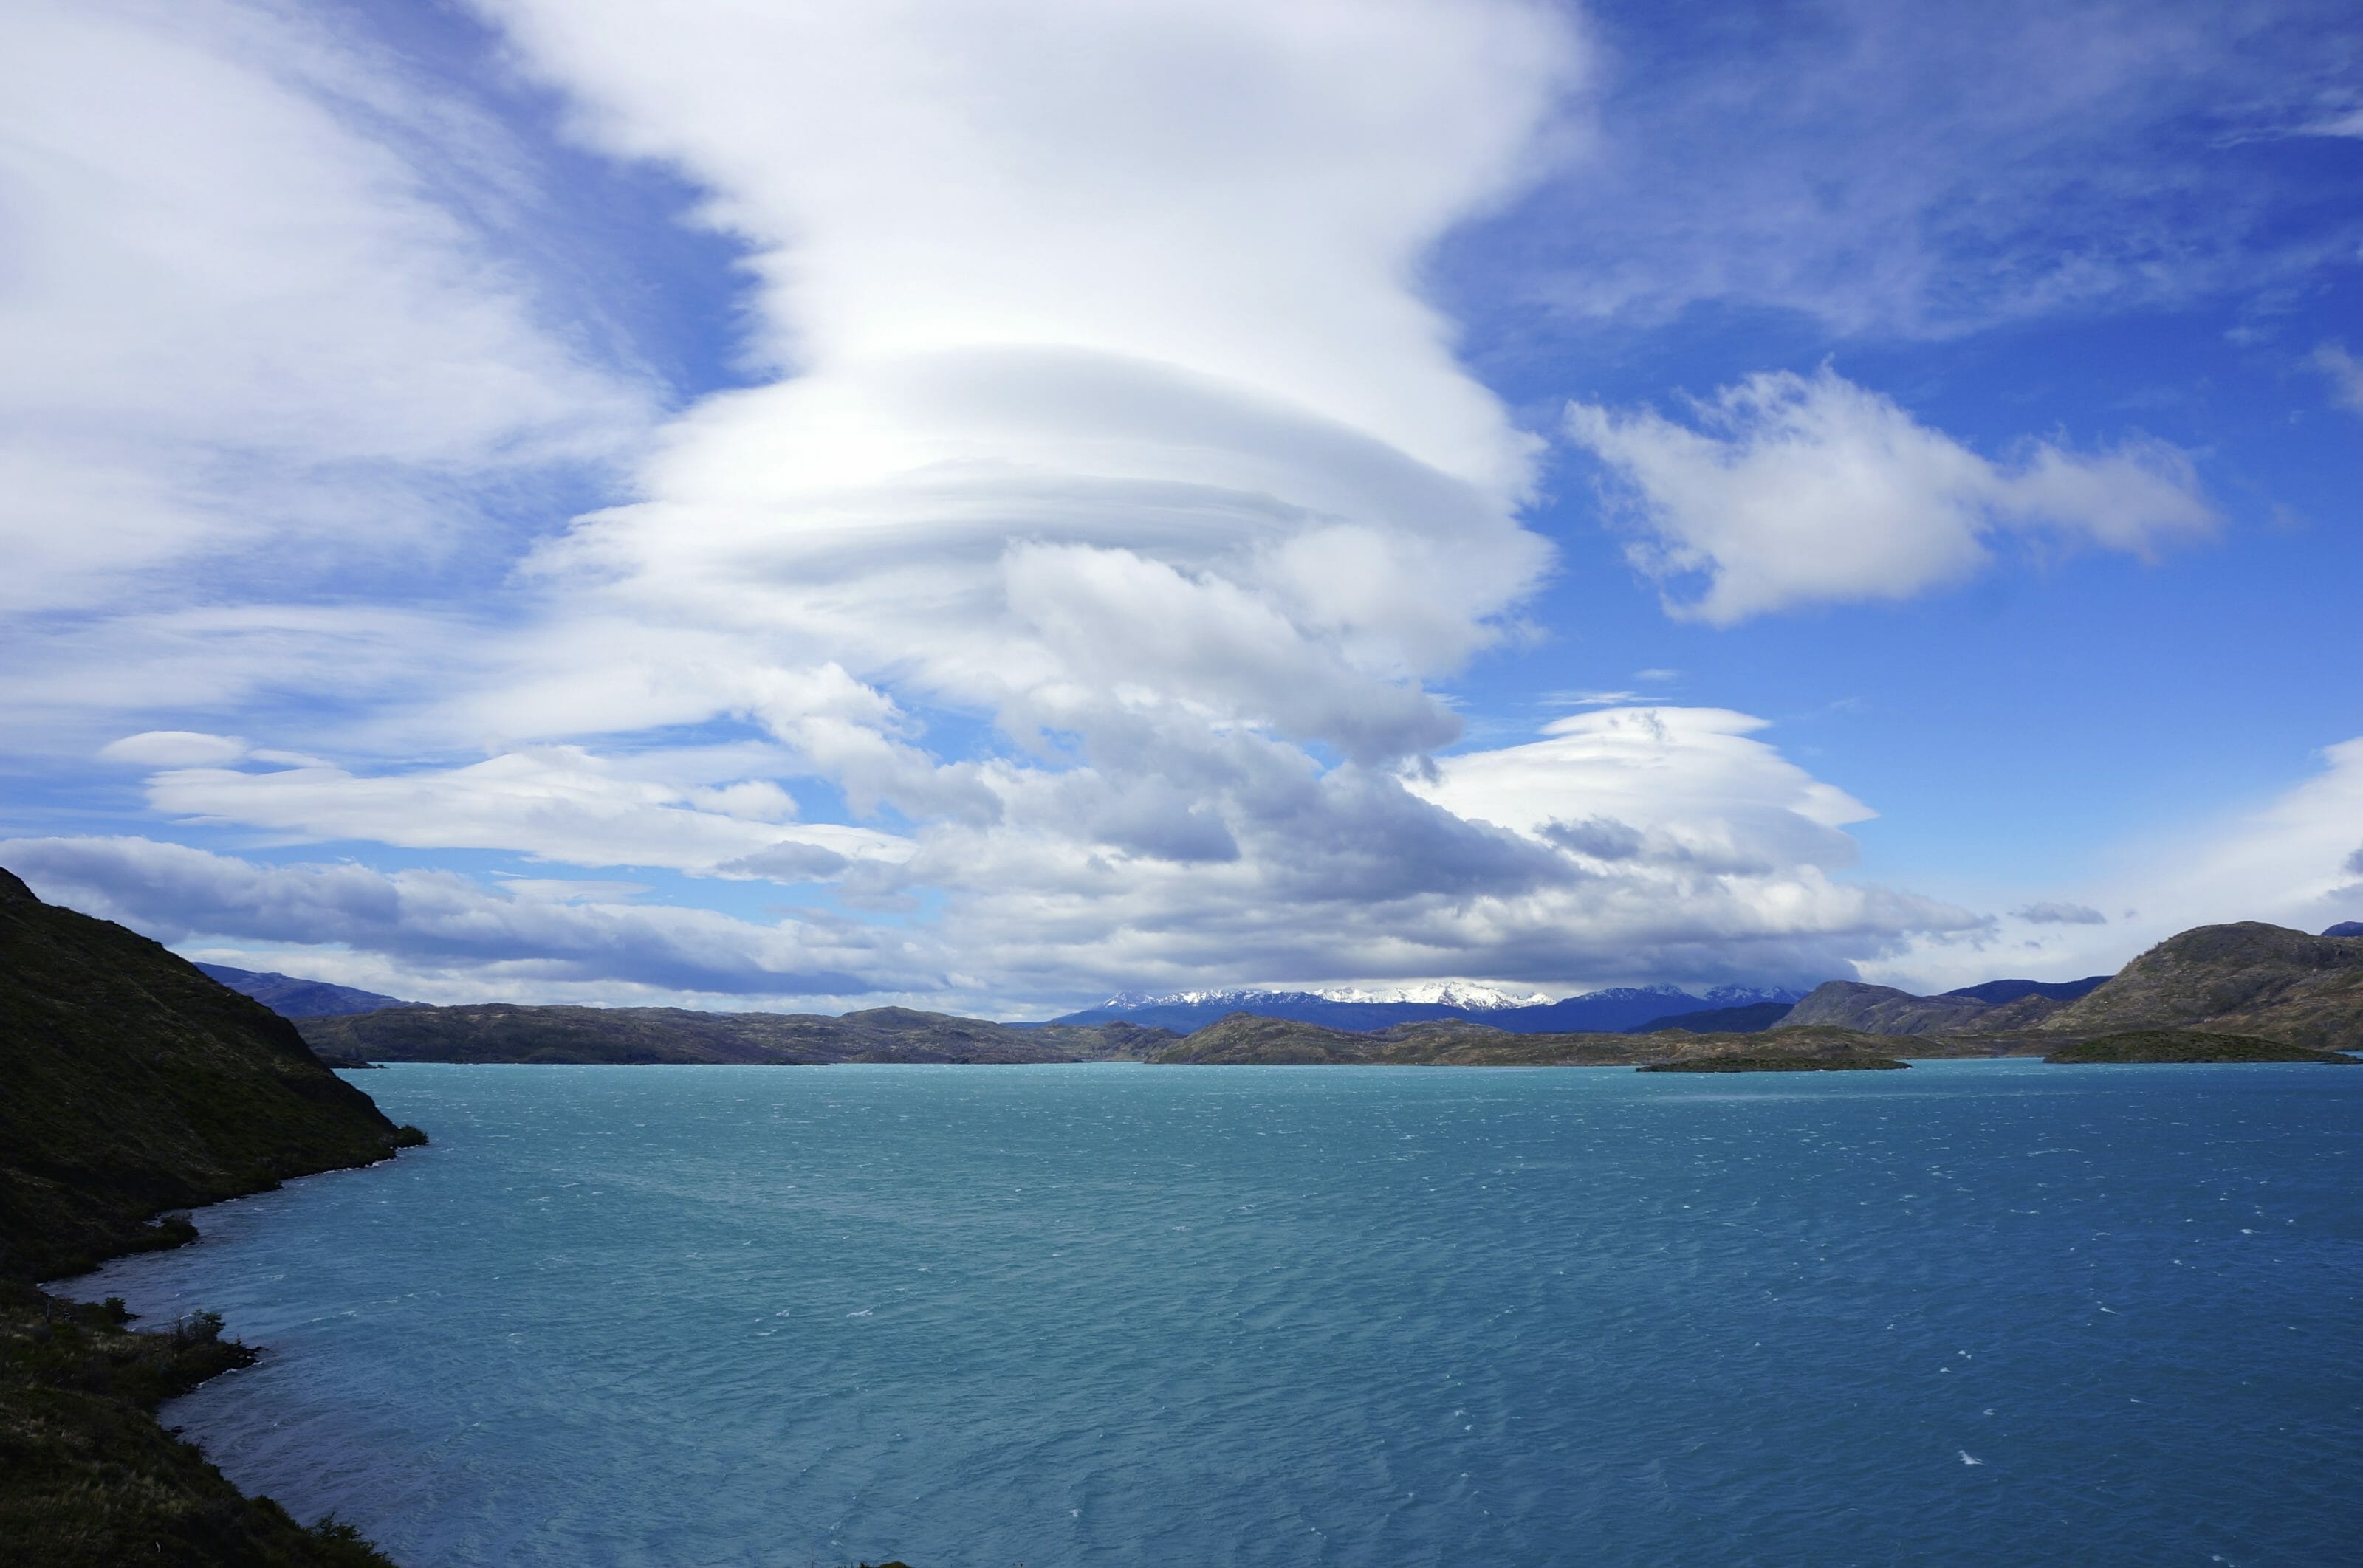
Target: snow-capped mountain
(1458,995)
(1620,1006)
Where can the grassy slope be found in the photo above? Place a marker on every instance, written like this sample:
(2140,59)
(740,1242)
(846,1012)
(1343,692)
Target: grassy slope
(130,1083)
(88,1479)
(2246,978)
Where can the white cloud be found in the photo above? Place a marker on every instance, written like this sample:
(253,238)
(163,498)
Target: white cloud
(2348,124)
(2345,373)
(558,803)
(1102,401)
(2060,914)
(241,318)
(174,748)
(1668,786)
(1794,489)
(446,927)
(1626,846)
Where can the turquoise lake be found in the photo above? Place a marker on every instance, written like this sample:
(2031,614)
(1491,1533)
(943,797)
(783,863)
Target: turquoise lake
(1974,1313)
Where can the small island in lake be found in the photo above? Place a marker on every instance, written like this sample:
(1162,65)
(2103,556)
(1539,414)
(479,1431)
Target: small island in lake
(1767,1062)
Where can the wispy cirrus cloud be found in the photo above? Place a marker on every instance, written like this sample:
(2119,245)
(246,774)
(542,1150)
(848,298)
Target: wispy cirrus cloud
(1913,170)
(239,318)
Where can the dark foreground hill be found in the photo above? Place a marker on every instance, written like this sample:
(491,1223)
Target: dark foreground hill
(633,1035)
(2246,978)
(130,1084)
(291,998)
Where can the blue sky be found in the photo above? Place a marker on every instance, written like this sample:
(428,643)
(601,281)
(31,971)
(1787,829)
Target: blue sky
(987,505)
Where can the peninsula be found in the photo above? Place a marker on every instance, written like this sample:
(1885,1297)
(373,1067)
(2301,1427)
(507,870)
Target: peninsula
(132,1086)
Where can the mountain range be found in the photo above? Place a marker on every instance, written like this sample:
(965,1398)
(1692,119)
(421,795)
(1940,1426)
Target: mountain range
(1603,1012)
(291,998)
(2255,982)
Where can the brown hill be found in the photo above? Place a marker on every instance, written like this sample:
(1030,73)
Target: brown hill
(1881,1009)
(2245,979)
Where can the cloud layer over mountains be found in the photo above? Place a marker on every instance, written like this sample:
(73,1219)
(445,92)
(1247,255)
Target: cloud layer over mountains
(1071,599)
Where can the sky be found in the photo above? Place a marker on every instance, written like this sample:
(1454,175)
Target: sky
(981,505)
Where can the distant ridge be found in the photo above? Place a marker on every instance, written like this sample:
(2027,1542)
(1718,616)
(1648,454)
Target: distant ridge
(291,998)
(1996,992)
(1753,1019)
(1596,1012)
(2346,927)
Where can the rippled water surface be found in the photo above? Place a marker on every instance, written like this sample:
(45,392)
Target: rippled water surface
(1983,1313)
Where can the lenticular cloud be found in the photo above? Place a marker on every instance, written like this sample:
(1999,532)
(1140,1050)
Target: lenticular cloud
(1104,386)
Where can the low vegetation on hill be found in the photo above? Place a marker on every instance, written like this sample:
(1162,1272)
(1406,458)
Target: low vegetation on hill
(131,1084)
(2187,1045)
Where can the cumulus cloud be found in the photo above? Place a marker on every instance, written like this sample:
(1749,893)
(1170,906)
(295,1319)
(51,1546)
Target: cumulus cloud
(1791,490)
(1624,845)
(1677,785)
(2060,914)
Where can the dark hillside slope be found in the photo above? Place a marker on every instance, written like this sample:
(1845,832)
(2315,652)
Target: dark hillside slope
(1749,1020)
(2245,979)
(130,1083)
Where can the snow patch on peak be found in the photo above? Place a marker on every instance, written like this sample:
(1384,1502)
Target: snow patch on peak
(1436,993)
